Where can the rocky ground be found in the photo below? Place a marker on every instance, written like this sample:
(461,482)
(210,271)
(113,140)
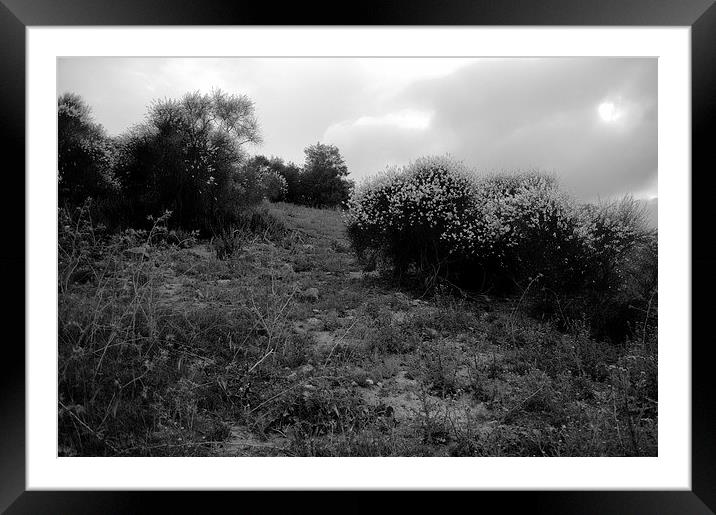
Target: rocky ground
(290,348)
(381,370)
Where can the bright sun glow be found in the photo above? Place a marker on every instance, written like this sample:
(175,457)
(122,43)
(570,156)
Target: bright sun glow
(608,111)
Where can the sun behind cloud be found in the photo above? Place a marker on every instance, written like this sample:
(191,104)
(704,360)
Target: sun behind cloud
(609,112)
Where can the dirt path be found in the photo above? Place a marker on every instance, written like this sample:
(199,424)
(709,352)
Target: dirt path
(289,348)
(344,313)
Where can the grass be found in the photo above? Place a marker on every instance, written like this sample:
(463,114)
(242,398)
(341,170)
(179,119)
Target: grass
(178,353)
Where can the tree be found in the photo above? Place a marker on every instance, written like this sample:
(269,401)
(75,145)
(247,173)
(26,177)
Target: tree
(294,188)
(323,179)
(188,156)
(290,173)
(85,153)
(267,173)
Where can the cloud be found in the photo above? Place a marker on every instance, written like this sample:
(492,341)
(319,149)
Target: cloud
(527,114)
(405,119)
(491,113)
(371,143)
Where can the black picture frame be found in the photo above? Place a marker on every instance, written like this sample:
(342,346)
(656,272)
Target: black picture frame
(700,15)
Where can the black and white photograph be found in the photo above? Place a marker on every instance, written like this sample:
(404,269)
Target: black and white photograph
(357,257)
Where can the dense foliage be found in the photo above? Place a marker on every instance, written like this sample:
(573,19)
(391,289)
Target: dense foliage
(320,182)
(188,157)
(435,218)
(85,154)
(323,178)
(267,173)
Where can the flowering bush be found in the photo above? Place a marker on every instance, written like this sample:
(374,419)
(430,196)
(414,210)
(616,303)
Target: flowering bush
(622,276)
(436,217)
(420,216)
(525,226)
(611,232)
(274,185)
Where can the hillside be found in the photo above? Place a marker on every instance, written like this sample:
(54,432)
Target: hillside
(288,348)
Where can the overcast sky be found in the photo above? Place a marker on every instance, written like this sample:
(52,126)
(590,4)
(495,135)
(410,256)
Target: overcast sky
(591,121)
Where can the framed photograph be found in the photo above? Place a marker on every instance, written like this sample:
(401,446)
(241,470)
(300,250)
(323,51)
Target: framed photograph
(410,249)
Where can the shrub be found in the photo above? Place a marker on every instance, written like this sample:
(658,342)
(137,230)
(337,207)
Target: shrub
(618,293)
(288,186)
(187,158)
(612,232)
(254,222)
(436,218)
(524,227)
(414,217)
(79,245)
(292,173)
(266,175)
(274,185)
(85,153)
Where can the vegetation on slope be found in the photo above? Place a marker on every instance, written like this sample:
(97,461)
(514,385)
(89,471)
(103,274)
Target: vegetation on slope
(289,348)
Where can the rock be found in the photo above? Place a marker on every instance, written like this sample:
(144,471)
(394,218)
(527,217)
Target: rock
(305,369)
(223,282)
(345,320)
(369,382)
(309,387)
(303,265)
(432,333)
(301,371)
(314,324)
(285,271)
(387,411)
(357,276)
(202,251)
(399,317)
(310,294)
(139,252)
